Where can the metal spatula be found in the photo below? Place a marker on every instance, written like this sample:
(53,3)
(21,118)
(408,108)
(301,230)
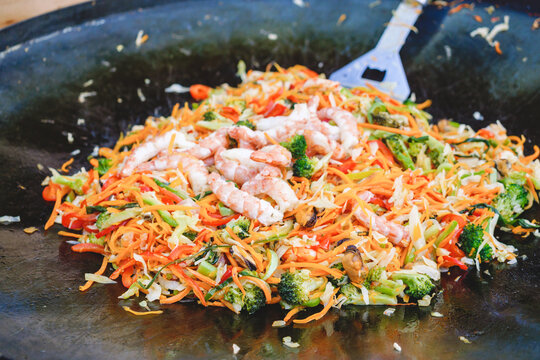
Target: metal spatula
(382,67)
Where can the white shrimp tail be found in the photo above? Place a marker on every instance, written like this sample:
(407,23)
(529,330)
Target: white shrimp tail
(195,169)
(151,148)
(278,189)
(346,123)
(242,202)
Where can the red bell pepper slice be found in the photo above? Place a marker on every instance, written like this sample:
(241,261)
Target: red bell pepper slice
(384,150)
(49,192)
(88,247)
(199,92)
(450,261)
(230,113)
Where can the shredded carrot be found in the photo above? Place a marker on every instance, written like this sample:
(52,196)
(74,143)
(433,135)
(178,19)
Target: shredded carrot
(320,314)
(65,165)
(292,312)
(142,313)
(498,48)
(99,272)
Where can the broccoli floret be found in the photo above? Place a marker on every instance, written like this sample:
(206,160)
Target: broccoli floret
(354,296)
(304,167)
(240,227)
(418,285)
(296,288)
(104,165)
(246,123)
(251,302)
(373,275)
(297,146)
(385,119)
(470,240)
(511,202)
(211,115)
(344,279)
(376,280)
(396,144)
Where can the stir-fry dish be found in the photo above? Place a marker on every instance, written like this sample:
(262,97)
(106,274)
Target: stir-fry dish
(292,189)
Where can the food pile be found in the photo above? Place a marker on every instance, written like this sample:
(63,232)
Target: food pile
(291,189)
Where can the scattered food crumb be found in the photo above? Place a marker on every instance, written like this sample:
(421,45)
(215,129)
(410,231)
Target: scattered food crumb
(80,121)
(40,167)
(397,347)
(75,152)
(119,100)
(47,121)
(373,4)
(6,219)
(341,19)
(279,323)
(389,311)
(299,3)
(147,81)
(425,301)
(141,38)
(105,63)
(88,83)
(477,116)
(70,138)
(524,257)
(272,36)
(30,230)
(487,272)
(320,64)
(490,9)
(536,24)
(235,349)
(464,339)
(119,47)
(144,305)
(176,88)
(525,59)
(436,314)
(448,51)
(86,94)
(287,341)
(457,279)
(21,187)
(478,18)
(489,35)
(141,95)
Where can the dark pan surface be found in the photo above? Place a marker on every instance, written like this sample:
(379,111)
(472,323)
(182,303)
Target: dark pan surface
(42,313)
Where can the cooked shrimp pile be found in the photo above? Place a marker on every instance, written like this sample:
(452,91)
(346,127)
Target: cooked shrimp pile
(292,189)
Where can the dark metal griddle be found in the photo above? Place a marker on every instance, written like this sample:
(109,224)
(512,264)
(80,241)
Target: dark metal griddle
(42,313)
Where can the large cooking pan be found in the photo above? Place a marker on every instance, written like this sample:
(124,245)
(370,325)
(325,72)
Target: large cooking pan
(42,313)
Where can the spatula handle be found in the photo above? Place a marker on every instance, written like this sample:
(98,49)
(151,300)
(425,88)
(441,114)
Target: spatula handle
(400,25)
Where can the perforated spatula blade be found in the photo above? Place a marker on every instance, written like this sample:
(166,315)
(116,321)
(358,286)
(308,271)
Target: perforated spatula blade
(382,66)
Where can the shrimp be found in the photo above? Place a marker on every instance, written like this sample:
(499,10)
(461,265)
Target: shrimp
(278,189)
(247,138)
(242,202)
(210,144)
(318,143)
(282,128)
(275,155)
(236,165)
(346,123)
(194,168)
(396,233)
(151,148)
